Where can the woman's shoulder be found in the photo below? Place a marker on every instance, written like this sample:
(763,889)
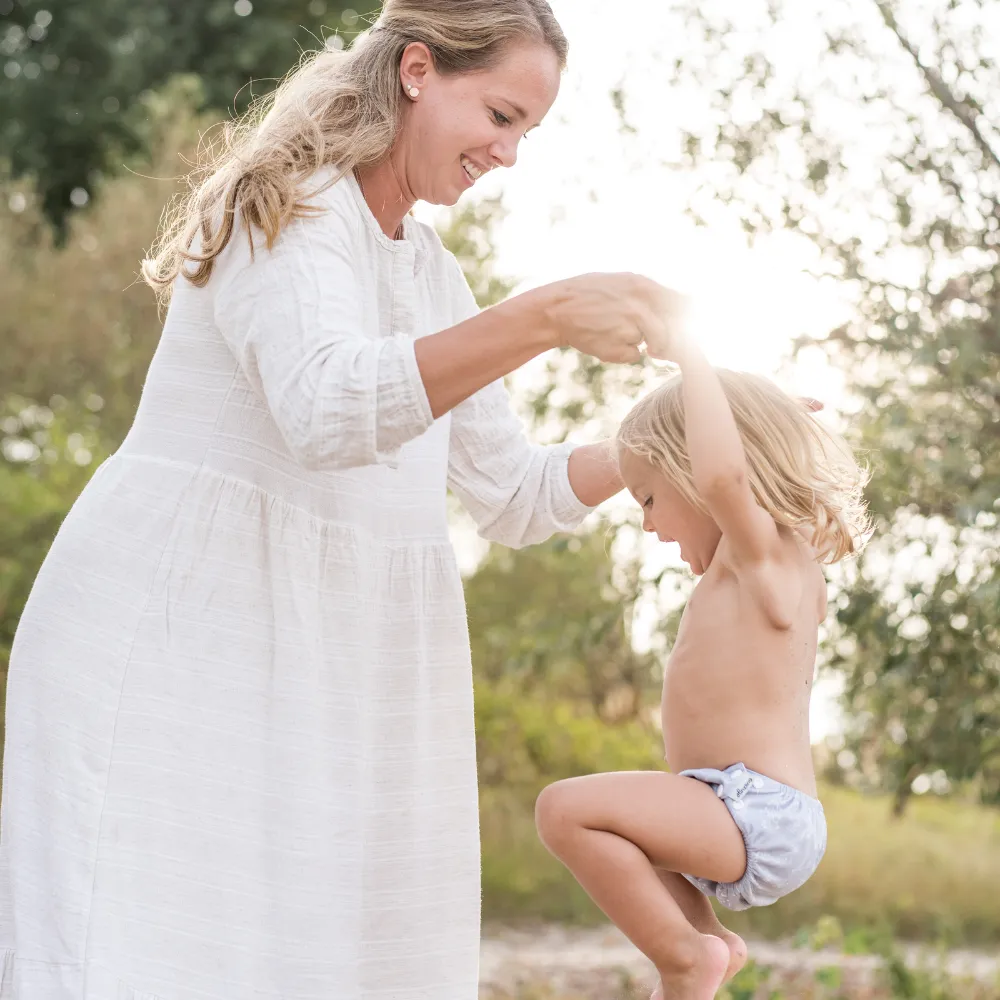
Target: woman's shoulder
(324,217)
(325,212)
(330,214)
(327,194)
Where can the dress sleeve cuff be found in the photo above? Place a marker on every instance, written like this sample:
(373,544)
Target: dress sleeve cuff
(415,407)
(568,508)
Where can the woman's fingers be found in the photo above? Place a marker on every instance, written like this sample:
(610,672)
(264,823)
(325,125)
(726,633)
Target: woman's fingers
(624,351)
(611,315)
(656,334)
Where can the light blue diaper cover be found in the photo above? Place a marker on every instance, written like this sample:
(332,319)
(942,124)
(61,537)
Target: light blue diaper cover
(784,831)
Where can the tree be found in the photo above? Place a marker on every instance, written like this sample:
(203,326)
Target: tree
(48,455)
(554,620)
(77,75)
(872,137)
(468,232)
(77,321)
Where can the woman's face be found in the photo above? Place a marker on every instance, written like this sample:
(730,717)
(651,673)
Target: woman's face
(461,126)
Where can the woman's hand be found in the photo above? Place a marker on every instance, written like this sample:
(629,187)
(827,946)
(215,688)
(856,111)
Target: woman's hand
(667,337)
(605,315)
(610,315)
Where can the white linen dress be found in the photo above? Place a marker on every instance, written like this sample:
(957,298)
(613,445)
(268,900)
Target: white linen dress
(240,755)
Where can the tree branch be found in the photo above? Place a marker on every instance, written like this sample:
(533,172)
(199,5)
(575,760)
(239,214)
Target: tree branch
(937,85)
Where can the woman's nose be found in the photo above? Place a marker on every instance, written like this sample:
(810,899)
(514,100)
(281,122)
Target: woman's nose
(504,152)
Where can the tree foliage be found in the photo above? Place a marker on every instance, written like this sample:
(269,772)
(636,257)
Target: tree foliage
(77,75)
(554,621)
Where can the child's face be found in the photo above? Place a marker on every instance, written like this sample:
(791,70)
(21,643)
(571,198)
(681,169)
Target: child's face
(666,512)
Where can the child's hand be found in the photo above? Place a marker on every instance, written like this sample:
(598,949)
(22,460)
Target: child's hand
(667,333)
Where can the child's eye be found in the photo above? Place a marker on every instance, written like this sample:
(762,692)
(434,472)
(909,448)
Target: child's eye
(648,502)
(499,117)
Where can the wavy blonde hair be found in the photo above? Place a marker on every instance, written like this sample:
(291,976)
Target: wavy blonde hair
(339,109)
(801,473)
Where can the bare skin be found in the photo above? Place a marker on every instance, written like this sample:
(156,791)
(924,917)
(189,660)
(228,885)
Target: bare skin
(698,910)
(736,689)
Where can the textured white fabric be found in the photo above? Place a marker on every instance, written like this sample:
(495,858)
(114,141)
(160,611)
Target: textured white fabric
(240,759)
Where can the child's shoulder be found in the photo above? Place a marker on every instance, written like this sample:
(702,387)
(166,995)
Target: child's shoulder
(783,586)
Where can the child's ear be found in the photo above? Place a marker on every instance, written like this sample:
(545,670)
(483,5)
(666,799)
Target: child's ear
(812,405)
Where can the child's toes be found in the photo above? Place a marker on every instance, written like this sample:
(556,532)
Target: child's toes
(737,953)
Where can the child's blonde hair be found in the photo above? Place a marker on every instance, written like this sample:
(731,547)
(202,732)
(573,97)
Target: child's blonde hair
(802,474)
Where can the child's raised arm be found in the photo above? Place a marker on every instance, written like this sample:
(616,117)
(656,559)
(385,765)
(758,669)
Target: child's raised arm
(719,471)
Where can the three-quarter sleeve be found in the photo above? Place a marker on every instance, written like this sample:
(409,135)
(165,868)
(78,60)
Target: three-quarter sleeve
(518,493)
(342,393)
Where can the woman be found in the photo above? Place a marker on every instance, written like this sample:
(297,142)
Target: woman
(240,749)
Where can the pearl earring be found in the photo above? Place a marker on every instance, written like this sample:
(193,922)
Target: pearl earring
(413,92)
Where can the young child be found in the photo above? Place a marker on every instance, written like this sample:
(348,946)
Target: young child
(757,494)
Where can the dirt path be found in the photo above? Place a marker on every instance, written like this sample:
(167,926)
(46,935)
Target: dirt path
(564,958)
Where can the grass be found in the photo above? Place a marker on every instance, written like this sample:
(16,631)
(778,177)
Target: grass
(931,875)
(760,983)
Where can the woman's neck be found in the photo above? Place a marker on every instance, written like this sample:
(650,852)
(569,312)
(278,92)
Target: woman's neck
(384,195)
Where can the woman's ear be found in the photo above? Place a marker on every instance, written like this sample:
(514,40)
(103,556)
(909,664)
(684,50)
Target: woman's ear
(416,67)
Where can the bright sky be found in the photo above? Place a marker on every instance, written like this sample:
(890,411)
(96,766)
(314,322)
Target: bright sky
(583,197)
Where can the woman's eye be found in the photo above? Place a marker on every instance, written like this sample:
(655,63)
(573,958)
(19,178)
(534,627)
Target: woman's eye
(500,118)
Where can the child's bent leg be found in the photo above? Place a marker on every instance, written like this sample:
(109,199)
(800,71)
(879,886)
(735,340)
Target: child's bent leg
(695,906)
(611,830)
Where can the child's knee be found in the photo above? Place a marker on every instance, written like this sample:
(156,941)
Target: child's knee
(554,814)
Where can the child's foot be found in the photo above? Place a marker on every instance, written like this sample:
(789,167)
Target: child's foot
(737,951)
(702,978)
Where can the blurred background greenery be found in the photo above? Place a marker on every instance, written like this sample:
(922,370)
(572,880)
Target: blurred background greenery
(101,101)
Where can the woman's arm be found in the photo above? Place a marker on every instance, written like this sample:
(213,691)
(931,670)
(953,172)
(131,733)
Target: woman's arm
(343,396)
(464,358)
(519,493)
(593,472)
(605,315)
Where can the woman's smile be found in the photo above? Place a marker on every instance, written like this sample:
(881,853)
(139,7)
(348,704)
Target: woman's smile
(472,170)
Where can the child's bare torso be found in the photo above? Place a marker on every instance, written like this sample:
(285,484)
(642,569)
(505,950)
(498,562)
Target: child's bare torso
(736,688)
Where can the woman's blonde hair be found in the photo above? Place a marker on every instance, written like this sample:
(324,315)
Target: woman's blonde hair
(802,474)
(338,109)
